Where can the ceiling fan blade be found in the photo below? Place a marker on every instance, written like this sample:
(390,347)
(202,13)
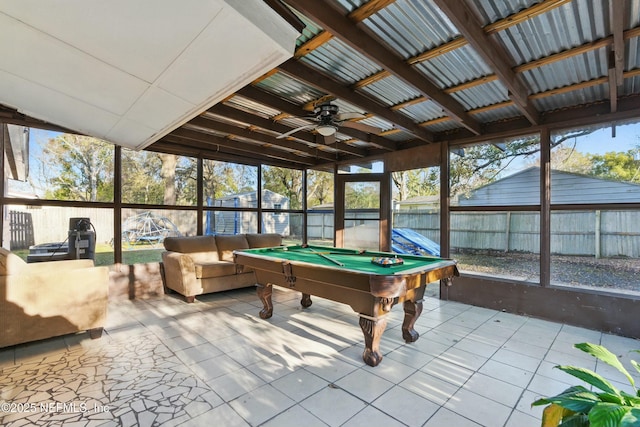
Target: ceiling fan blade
(350,115)
(292,131)
(362,127)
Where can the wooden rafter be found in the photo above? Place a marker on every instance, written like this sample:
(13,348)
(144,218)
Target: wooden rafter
(318,148)
(367,9)
(616,12)
(616,56)
(578,50)
(324,83)
(312,44)
(342,27)
(502,24)
(493,53)
(273,101)
(357,15)
(292,146)
(209,150)
(192,132)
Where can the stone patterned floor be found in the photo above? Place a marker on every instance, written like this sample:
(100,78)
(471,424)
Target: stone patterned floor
(215,362)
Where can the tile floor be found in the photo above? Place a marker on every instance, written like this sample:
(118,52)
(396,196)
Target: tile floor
(165,362)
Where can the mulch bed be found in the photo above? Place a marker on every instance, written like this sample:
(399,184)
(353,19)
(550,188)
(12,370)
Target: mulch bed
(605,273)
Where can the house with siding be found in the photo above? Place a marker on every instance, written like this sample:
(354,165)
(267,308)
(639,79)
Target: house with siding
(230,221)
(523,188)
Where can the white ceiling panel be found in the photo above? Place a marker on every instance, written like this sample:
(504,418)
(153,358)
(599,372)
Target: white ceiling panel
(46,104)
(108,28)
(156,107)
(154,64)
(128,132)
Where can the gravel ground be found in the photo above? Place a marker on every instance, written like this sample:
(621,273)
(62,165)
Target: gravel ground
(611,273)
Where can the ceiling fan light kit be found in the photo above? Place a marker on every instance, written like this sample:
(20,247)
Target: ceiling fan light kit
(326,130)
(329,120)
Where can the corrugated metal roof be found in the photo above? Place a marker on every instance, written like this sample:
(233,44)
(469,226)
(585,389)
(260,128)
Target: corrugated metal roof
(311,29)
(377,122)
(340,61)
(244,104)
(577,69)
(562,28)
(390,91)
(443,126)
(491,11)
(350,5)
(482,95)
(498,114)
(400,136)
(411,27)
(423,111)
(289,88)
(455,67)
(573,98)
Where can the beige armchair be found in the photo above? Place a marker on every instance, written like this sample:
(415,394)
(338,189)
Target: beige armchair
(49,299)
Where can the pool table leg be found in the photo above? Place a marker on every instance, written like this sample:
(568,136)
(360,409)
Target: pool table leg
(306,301)
(372,330)
(412,311)
(264,293)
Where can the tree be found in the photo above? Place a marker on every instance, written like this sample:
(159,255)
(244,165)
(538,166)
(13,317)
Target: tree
(141,181)
(223,179)
(362,195)
(416,182)
(285,181)
(76,167)
(617,166)
(168,175)
(320,187)
(569,160)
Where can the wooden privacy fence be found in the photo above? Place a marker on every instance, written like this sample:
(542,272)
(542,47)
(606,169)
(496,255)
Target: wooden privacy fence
(611,233)
(51,224)
(20,230)
(585,233)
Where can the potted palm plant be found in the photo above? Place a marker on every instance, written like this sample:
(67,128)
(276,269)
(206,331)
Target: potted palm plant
(601,405)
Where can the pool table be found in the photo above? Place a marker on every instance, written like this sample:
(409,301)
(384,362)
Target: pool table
(349,276)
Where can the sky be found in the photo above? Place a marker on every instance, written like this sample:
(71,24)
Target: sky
(601,141)
(598,142)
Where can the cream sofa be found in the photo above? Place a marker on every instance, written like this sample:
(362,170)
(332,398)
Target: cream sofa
(48,299)
(199,265)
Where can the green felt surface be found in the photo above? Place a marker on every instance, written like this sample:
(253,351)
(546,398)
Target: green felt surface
(351,258)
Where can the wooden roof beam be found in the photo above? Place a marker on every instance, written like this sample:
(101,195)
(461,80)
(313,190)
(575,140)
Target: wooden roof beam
(262,137)
(326,84)
(182,146)
(277,103)
(494,54)
(342,27)
(616,13)
(357,15)
(243,116)
(369,8)
(502,24)
(261,149)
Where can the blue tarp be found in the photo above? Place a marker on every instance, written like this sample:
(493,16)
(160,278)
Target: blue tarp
(408,241)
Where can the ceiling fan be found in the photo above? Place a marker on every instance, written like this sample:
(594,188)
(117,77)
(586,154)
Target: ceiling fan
(329,120)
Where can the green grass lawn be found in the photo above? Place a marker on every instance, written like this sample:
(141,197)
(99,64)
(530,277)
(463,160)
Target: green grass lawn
(104,254)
